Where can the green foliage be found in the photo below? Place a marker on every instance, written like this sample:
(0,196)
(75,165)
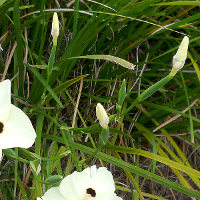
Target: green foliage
(118,53)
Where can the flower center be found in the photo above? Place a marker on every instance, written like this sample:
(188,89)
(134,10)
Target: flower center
(1,127)
(91,192)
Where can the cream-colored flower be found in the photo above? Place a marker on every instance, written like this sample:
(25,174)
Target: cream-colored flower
(52,194)
(90,184)
(55,26)
(102,116)
(16,129)
(181,55)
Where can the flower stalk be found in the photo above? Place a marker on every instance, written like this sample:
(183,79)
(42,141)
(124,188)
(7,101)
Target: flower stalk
(55,34)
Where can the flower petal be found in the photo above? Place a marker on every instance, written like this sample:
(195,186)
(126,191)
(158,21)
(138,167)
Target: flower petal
(18,130)
(55,26)
(103,183)
(181,55)
(52,194)
(5,99)
(73,186)
(102,116)
(100,180)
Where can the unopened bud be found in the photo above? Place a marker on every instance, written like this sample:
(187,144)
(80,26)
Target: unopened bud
(55,26)
(102,116)
(180,56)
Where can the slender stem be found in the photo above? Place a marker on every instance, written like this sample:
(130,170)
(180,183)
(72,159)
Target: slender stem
(189,110)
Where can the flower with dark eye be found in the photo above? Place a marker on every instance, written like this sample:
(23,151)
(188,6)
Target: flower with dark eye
(16,129)
(90,184)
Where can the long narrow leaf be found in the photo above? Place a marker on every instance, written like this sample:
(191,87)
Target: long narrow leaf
(45,84)
(110,58)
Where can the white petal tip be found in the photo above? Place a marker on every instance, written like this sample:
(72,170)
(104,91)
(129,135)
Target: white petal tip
(55,26)
(102,116)
(181,55)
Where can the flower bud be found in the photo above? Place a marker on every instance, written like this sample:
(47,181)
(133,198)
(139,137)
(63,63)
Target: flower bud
(102,116)
(55,26)
(181,55)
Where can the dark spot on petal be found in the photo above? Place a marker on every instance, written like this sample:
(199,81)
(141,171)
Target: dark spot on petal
(1,127)
(91,192)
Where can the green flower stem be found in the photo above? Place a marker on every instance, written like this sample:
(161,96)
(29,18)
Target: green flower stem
(14,154)
(172,73)
(148,92)
(16,172)
(189,110)
(69,144)
(50,67)
(33,155)
(51,59)
(102,141)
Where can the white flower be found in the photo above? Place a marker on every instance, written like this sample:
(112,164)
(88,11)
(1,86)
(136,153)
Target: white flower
(90,184)
(181,55)
(16,129)
(52,194)
(102,116)
(55,26)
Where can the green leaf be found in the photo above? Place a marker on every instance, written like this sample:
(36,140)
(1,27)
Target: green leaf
(154,88)
(104,136)
(110,58)
(45,84)
(19,48)
(181,3)
(53,179)
(98,99)
(20,7)
(155,152)
(122,93)
(2,2)
(121,97)
(170,110)
(12,154)
(148,92)
(63,86)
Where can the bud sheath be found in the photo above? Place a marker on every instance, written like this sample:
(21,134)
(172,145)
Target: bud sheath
(102,116)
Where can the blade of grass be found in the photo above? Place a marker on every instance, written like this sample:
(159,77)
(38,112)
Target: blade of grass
(110,58)
(76,15)
(45,84)
(180,3)
(189,110)
(19,48)
(171,110)
(196,67)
